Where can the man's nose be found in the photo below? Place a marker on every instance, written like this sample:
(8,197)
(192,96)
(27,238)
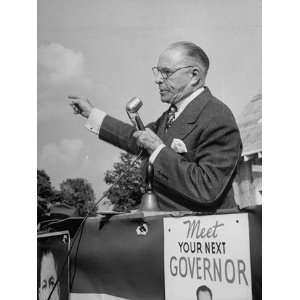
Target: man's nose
(158,79)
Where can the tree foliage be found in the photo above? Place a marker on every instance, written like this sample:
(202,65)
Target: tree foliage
(127,191)
(79,193)
(44,187)
(76,193)
(45,192)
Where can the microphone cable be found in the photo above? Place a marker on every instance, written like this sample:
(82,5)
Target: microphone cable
(81,225)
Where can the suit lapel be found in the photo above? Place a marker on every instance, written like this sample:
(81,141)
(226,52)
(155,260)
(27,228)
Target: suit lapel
(186,122)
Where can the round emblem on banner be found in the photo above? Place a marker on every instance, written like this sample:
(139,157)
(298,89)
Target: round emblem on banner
(142,229)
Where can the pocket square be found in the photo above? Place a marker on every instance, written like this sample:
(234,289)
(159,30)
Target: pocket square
(178,146)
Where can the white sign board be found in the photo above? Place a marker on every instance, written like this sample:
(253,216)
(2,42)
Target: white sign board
(207,258)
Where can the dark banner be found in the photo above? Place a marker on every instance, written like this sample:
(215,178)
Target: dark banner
(123,257)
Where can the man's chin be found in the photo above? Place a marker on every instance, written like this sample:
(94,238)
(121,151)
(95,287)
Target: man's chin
(165,99)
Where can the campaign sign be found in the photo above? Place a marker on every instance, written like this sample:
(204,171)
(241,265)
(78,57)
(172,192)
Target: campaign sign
(53,266)
(207,258)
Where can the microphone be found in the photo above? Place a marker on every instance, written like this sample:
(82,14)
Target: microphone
(149,200)
(132,107)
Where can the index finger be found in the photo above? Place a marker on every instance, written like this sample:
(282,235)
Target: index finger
(137,133)
(73,97)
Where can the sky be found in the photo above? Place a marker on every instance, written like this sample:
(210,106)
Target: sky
(104,50)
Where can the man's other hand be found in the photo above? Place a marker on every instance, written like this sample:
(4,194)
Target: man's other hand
(147,139)
(81,106)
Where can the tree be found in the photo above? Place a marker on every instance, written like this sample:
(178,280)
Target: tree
(74,192)
(126,192)
(44,187)
(79,193)
(45,192)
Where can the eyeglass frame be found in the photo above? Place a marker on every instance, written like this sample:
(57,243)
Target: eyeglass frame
(165,76)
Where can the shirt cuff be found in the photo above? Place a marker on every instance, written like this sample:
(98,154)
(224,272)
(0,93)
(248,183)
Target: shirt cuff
(155,153)
(95,120)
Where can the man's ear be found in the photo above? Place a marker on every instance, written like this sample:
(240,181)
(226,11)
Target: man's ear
(197,76)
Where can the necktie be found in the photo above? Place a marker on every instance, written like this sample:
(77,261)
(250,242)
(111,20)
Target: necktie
(171,116)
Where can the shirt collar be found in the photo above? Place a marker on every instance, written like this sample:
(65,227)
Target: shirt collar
(183,103)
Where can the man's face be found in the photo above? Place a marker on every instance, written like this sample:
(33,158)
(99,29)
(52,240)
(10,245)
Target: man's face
(203,295)
(177,86)
(48,278)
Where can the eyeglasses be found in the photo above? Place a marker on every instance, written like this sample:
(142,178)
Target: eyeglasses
(165,73)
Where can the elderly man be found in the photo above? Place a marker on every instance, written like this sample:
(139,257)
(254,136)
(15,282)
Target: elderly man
(194,146)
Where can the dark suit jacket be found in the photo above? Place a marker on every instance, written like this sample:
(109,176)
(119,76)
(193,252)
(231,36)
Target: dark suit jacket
(201,178)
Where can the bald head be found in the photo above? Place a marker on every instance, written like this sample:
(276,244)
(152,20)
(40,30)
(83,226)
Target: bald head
(192,53)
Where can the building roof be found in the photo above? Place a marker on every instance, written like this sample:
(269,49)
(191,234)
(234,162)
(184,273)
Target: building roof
(250,125)
(63,209)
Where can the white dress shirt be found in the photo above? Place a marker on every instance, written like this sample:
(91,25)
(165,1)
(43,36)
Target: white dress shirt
(97,116)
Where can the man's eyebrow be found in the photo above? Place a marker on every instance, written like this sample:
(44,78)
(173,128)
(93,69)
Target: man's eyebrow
(165,69)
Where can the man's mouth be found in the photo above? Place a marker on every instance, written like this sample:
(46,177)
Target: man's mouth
(163,91)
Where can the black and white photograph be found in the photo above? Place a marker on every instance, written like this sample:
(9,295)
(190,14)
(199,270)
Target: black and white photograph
(149,148)
(53,269)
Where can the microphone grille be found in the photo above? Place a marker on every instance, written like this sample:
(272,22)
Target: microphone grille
(134,104)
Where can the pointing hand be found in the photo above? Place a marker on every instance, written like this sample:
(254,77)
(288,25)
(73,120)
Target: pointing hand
(81,106)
